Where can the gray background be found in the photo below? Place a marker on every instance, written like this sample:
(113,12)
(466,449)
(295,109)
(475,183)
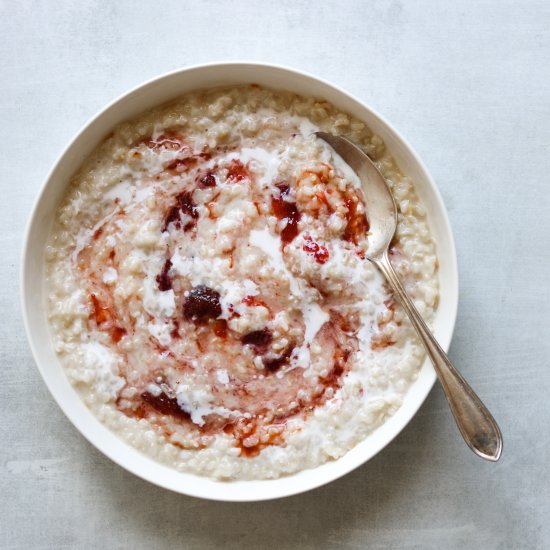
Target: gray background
(468,83)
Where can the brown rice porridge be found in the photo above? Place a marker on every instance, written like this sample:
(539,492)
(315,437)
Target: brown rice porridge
(208,292)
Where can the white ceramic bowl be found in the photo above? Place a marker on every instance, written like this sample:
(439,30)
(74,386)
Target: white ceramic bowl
(148,95)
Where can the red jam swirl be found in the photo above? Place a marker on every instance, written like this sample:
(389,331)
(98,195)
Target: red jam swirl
(285,209)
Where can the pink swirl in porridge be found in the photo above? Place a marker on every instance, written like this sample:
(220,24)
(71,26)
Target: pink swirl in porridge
(230,327)
(209,293)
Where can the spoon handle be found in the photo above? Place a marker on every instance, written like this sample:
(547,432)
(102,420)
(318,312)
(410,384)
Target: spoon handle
(475,422)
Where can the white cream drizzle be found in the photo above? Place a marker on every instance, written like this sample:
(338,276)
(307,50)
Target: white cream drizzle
(271,246)
(103,363)
(312,313)
(197,402)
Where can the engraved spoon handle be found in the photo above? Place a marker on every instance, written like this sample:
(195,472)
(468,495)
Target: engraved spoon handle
(475,422)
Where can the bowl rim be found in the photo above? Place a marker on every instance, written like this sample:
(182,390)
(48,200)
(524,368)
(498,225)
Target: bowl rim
(208,491)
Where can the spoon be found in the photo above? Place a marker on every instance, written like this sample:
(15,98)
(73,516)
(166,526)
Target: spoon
(475,422)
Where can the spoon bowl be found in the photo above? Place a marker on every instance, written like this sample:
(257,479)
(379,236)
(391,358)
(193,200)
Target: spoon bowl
(382,218)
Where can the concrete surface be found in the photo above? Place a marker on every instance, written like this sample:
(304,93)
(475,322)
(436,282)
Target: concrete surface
(468,83)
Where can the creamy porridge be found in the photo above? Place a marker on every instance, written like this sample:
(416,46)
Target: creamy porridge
(208,292)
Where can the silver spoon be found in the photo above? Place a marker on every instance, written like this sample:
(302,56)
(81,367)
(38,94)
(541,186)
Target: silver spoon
(475,422)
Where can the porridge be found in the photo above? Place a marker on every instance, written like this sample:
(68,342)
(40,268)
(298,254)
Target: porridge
(209,295)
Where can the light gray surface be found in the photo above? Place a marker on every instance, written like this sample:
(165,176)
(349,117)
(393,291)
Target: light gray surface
(468,83)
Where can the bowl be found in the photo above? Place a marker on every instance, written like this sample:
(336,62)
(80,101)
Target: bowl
(158,91)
